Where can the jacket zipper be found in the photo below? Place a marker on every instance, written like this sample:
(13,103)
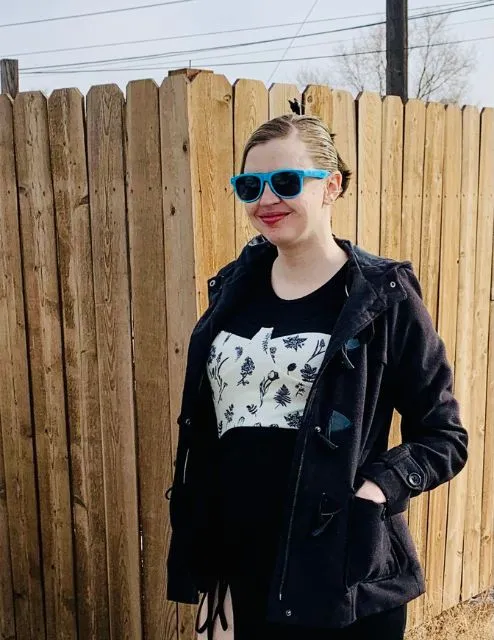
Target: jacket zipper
(308,406)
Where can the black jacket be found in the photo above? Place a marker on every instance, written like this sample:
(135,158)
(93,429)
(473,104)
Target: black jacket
(340,557)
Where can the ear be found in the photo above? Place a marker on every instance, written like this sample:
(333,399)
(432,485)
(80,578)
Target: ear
(332,188)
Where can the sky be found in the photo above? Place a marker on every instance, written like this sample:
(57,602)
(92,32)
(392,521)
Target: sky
(181,29)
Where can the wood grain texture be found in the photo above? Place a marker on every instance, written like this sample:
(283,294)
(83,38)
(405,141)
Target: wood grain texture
(149,312)
(411,231)
(279,96)
(486,207)
(7,615)
(413,179)
(345,130)
(391,185)
(483,266)
(178,222)
(211,137)
(439,268)
(318,101)
(35,194)
(447,328)
(369,123)
(70,182)
(464,337)
(105,111)
(250,110)
(15,403)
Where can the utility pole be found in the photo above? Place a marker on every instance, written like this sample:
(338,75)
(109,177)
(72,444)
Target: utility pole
(9,77)
(397,48)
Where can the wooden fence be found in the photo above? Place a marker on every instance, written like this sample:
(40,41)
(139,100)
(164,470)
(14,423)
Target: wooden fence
(112,215)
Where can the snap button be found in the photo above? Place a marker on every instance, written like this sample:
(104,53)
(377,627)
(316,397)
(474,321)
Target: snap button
(187,421)
(288,613)
(392,284)
(415,479)
(212,283)
(317,429)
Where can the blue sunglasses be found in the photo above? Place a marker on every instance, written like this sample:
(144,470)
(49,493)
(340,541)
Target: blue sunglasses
(285,183)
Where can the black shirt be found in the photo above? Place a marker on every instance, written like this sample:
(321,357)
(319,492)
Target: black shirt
(261,368)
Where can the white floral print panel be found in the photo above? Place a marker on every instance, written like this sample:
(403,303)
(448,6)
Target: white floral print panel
(263,381)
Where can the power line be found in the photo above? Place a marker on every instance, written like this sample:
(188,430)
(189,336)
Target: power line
(293,40)
(190,52)
(251,62)
(276,49)
(220,32)
(93,13)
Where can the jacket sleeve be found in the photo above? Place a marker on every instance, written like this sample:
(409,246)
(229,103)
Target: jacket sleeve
(434,442)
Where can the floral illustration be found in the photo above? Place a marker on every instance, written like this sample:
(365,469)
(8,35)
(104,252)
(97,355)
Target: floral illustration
(215,373)
(272,352)
(252,409)
(282,396)
(266,383)
(239,351)
(265,342)
(294,420)
(308,373)
(229,414)
(229,335)
(247,369)
(212,355)
(320,348)
(294,342)
(300,389)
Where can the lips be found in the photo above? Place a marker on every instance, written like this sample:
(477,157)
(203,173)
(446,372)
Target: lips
(272,218)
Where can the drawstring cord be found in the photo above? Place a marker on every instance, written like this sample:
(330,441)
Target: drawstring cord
(213,613)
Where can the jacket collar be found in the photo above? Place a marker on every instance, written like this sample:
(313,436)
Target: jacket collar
(373,281)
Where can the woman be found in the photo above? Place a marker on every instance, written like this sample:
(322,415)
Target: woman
(285,494)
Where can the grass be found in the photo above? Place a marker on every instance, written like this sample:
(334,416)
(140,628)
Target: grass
(472,620)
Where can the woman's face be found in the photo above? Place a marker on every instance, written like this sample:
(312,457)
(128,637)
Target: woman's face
(305,216)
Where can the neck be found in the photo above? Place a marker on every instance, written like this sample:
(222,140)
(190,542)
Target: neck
(309,261)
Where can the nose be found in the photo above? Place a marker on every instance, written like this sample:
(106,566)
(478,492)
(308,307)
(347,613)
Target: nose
(268,197)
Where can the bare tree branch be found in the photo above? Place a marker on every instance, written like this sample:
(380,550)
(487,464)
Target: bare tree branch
(436,71)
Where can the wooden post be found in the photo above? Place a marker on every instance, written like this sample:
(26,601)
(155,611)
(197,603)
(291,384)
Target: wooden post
(397,48)
(9,74)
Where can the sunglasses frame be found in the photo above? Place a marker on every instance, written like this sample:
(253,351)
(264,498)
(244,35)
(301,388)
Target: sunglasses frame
(267,177)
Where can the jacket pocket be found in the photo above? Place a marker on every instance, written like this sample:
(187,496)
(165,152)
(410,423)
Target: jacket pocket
(370,552)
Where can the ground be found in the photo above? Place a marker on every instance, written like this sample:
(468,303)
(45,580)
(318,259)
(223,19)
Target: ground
(472,620)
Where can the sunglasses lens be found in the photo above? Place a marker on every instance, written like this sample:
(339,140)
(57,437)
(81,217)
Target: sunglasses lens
(287,184)
(248,188)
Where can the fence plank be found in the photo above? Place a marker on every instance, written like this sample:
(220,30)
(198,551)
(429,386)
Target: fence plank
(471,542)
(369,124)
(45,349)
(345,130)
(15,402)
(68,161)
(147,261)
(250,110)
(447,328)
(429,279)
(279,98)
(211,134)
(391,184)
(181,302)
(318,101)
(486,207)
(105,108)
(413,177)
(463,364)
(483,266)
(7,617)
(487,548)
(433,258)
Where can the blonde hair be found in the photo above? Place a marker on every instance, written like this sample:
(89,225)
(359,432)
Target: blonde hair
(315,135)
